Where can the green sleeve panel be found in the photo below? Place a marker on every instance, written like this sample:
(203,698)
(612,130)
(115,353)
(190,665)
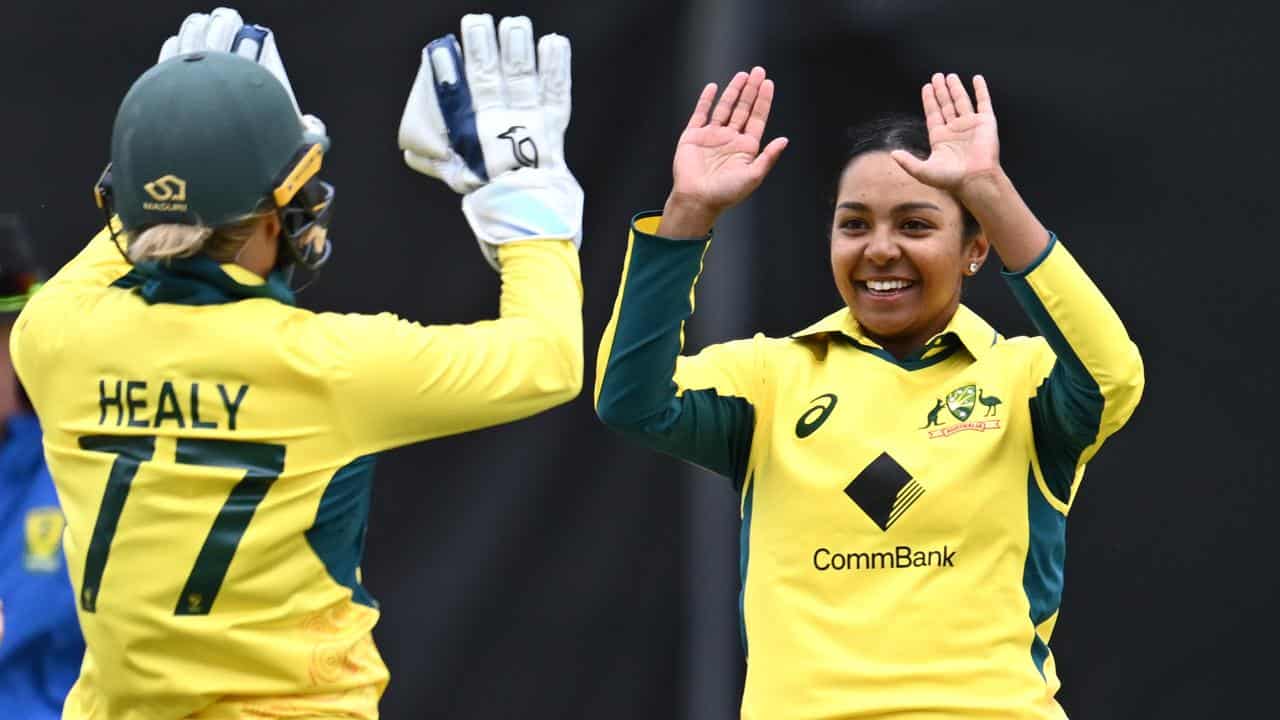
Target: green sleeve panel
(1096,378)
(699,412)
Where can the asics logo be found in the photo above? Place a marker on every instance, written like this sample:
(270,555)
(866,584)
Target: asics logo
(813,418)
(523,148)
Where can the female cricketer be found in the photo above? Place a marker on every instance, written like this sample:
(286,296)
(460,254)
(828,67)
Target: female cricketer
(211,442)
(905,471)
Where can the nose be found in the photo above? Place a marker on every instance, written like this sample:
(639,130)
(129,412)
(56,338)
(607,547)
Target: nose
(882,248)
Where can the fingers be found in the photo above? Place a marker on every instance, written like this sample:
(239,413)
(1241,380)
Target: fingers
(744,105)
(946,99)
(700,110)
(224,23)
(768,157)
(422,128)
(959,95)
(480,48)
(932,110)
(746,101)
(169,49)
(444,55)
(911,164)
(200,31)
(728,99)
(515,41)
(554,76)
(760,110)
(943,95)
(455,99)
(191,34)
(983,95)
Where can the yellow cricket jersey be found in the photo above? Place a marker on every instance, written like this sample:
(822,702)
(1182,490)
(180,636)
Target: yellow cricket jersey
(903,522)
(212,447)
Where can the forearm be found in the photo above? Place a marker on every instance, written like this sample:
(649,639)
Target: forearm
(1098,370)
(637,357)
(541,301)
(1014,231)
(695,408)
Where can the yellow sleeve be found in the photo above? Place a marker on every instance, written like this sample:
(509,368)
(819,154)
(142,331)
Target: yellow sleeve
(400,382)
(1095,379)
(99,264)
(701,408)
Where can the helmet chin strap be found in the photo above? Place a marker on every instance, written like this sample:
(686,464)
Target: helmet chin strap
(102,196)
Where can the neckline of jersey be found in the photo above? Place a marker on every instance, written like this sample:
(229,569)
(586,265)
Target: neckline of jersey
(965,329)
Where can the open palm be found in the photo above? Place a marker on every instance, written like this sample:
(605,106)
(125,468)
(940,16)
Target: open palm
(718,160)
(964,142)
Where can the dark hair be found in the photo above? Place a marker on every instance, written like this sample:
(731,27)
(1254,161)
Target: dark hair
(895,131)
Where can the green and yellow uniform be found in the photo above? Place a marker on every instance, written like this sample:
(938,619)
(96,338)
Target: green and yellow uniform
(903,521)
(213,446)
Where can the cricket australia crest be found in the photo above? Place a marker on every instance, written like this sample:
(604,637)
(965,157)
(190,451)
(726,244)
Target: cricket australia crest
(961,403)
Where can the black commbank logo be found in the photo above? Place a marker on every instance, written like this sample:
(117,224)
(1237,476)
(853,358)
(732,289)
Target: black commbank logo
(523,148)
(813,418)
(884,491)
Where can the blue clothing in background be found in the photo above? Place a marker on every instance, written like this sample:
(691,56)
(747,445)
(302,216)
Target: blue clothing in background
(41,650)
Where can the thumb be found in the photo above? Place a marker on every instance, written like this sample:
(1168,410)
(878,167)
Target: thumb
(768,157)
(913,165)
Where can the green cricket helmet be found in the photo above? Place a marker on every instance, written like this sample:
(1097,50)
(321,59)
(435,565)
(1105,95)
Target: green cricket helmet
(208,138)
(20,274)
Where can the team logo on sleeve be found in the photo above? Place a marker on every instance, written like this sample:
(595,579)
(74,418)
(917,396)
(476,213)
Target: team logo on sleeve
(44,540)
(962,403)
(884,490)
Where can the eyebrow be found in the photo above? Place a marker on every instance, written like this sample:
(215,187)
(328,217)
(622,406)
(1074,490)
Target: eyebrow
(897,209)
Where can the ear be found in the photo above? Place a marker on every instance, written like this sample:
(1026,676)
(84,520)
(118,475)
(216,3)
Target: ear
(976,250)
(270,227)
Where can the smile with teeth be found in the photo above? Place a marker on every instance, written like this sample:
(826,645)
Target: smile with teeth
(887,287)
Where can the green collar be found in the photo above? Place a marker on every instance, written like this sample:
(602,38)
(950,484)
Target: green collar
(199,280)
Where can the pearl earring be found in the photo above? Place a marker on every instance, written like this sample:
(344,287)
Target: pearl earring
(973,268)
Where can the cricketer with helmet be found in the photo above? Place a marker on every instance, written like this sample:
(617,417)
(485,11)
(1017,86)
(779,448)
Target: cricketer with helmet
(213,443)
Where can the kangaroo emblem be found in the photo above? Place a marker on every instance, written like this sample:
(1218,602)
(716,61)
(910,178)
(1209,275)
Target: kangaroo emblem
(523,148)
(933,416)
(991,401)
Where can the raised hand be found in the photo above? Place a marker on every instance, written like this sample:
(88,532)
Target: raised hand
(488,117)
(965,144)
(718,160)
(224,30)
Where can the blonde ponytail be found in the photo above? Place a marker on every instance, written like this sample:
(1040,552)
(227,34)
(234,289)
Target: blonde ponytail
(168,242)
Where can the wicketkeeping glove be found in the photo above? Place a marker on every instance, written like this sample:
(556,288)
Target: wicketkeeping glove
(492,127)
(223,30)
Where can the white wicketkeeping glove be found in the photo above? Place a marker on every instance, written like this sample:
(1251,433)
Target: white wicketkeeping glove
(492,127)
(223,30)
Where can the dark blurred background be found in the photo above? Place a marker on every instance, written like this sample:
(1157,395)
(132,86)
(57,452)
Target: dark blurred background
(547,569)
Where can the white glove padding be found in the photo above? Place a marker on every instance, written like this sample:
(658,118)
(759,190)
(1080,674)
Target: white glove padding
(223,30)
(469,122)
(532,204)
